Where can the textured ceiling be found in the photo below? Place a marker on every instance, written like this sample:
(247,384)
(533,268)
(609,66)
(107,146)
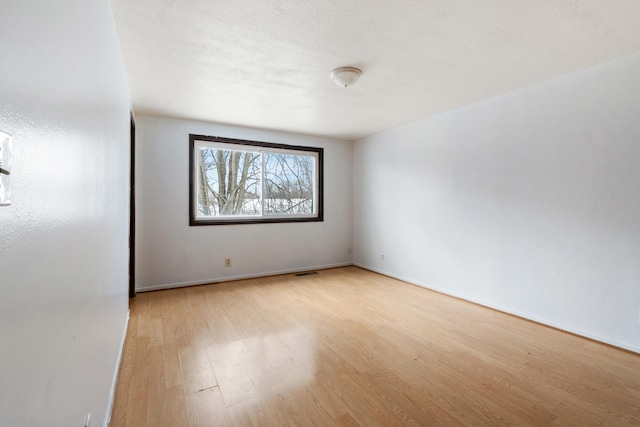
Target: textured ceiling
(266,64)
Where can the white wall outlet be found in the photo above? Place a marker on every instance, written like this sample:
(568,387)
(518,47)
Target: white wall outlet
(5,168)
(381,257)
(227,262)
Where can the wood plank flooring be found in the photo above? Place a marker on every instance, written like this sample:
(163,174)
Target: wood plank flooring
(348,347)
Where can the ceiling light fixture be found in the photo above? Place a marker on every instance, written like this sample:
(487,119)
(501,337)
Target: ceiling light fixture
(346,76)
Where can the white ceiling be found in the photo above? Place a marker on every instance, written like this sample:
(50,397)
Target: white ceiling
(266,63)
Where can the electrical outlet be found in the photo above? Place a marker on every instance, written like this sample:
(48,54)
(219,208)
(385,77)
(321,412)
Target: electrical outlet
(87,421)
(381,257)
(227,262)
(639,316)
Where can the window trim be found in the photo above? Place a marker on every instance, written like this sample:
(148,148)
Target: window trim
(193,217)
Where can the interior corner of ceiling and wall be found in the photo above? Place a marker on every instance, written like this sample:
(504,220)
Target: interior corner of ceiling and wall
(267,64)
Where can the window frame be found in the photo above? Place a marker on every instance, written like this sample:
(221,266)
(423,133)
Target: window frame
(259,145)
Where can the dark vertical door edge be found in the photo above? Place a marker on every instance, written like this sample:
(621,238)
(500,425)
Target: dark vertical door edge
(132,212)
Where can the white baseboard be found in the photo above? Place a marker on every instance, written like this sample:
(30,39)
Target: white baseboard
(114,382)
(239,277)
(614,343)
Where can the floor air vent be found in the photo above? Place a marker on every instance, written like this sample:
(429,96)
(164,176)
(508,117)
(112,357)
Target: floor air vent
(306,273)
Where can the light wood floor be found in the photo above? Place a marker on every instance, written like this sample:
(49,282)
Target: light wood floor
(349,347)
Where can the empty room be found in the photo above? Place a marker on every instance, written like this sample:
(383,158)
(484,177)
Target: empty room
(329,213)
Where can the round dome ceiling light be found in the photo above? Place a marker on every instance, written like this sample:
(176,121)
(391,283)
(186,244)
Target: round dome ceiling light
(346,76)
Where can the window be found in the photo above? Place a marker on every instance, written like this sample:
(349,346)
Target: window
(234,181)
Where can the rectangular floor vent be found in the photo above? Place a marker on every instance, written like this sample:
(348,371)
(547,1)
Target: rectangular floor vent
(306,273)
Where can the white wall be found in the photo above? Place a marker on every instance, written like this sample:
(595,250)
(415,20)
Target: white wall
(63,241)
(528,202)
(171,253)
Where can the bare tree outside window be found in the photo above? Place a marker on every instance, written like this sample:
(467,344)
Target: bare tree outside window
(229,182)
(288,184)
(235,181)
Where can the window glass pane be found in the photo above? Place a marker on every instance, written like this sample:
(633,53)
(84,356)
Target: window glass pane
(288,184)
(228,182)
